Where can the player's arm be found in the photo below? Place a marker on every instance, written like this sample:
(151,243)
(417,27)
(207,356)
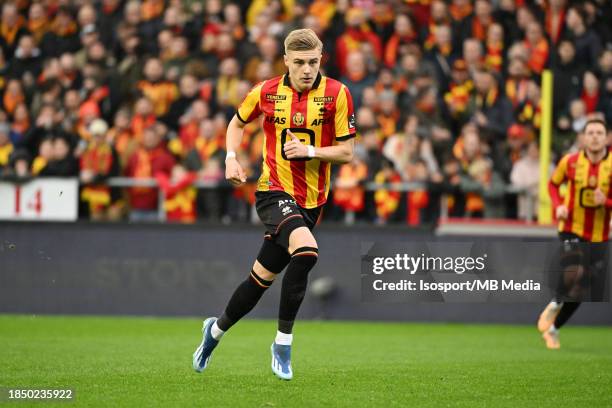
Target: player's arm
(558,178)
(247,111)
(337,154)
(233,138)
(340,153)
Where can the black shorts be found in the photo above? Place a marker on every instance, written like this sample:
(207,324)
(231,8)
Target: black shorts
(281,214)
(591,252)
(593,257)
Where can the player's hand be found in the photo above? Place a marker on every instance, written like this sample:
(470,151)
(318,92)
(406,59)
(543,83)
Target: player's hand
(561,212)
(294,149)
(599,197)
(233,172)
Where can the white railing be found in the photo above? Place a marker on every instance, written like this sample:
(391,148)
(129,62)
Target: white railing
(349,217)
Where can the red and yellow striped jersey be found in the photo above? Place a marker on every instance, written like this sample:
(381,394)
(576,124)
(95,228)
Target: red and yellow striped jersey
(318,117)
(585,219)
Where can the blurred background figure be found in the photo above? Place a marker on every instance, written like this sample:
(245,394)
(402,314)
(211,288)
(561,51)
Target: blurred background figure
(349,193)
(151,159)
(179,195)
(98,162)
(62,163)
(525,176)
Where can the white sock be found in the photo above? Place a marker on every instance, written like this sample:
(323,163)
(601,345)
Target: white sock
(552,329)
(556,304)
(283,338)
(216,332)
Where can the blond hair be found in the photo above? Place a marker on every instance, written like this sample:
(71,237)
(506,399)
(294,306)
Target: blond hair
(302,40)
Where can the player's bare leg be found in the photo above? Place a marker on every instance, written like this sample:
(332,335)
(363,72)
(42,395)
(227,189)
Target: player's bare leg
(546,324)
(548,316)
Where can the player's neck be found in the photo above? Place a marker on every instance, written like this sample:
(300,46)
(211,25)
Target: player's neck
(595,157)
(296,88)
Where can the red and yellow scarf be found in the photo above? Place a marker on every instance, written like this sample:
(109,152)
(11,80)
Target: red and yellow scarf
(10,33)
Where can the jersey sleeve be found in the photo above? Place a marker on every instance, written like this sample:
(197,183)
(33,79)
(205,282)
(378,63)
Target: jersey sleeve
(559,175)
(250,109)
(345,115)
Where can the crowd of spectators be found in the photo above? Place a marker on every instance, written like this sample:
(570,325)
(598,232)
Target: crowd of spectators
(447,97)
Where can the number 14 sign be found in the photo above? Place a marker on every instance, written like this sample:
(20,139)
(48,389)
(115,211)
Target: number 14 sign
(52,199)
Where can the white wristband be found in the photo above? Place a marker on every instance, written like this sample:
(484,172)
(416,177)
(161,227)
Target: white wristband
(230,155)
(311,151)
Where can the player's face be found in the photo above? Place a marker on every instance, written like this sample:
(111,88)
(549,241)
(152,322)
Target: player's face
(595,138)
(303,68)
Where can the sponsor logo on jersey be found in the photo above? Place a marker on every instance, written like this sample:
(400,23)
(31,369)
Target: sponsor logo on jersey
(276,120)
(274,97)
(319,122)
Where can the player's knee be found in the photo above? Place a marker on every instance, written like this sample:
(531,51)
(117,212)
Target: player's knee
(571,261)
(262,272)
(306,256)
(262,279)
(301,237)
(271,260)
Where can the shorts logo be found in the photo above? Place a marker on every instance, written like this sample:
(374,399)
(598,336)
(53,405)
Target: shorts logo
(274,97)
(286,210)
(298,119)
(286,202)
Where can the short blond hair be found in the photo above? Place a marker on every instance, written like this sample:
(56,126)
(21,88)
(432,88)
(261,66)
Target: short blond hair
(302,40)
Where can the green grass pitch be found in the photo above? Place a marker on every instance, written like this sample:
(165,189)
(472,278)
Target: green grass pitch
(146,362)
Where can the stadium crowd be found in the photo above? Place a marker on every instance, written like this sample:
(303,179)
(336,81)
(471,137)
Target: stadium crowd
(447,95)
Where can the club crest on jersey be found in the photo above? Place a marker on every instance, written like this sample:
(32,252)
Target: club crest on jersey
(592,181)
(298,119)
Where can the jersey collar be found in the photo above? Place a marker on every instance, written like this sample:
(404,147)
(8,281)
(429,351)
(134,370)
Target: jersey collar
(315,84)
(586,156)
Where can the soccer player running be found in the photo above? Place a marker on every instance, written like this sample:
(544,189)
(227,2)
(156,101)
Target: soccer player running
(309,124)
(584,220)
